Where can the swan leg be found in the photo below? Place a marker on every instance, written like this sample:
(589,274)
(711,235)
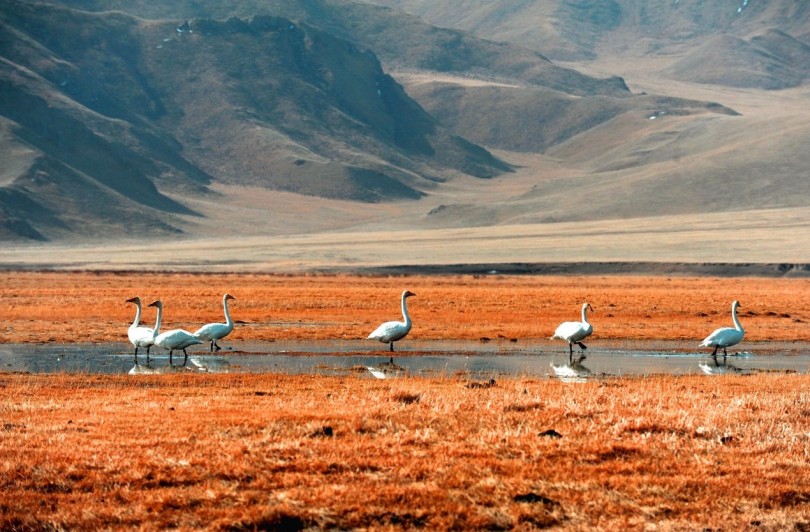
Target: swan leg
(582,346)
(391,346)
(714,353)
(170,356)
(185,356)
(214,346)
(570,353)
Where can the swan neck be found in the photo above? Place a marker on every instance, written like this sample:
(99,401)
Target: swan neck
(228,319)
(405,309)
(157,321)
(734,318)
(137,314)
(584,314)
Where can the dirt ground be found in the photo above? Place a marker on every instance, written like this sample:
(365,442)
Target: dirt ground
(91,307)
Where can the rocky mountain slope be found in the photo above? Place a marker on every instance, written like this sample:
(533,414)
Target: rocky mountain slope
(105,115)
(149,119)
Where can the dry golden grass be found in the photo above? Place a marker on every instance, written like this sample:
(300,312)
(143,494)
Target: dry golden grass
(90,307)
(274,451)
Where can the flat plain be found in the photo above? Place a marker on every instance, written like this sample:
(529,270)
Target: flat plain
(90,306)
(271,451)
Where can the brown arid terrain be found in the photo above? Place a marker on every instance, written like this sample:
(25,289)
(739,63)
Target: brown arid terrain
(277,452)
(255,128)
(90,307)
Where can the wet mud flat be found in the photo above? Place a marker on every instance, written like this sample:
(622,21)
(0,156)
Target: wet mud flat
(480,360)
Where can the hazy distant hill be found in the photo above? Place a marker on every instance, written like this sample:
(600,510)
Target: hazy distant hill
(739,42)
(773,60)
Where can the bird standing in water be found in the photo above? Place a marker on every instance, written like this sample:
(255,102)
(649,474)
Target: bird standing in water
(391,331)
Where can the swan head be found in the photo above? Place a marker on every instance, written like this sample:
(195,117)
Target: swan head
(407,293)
(158,304)
(588,307)
(227,297)
(135,300)
(735,305)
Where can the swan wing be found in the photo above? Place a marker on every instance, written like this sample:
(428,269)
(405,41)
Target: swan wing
(176,339)
(213,331)
(723,337)
(572,331)
(390,331)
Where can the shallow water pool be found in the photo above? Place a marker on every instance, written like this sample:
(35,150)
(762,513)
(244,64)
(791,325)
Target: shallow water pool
(476,360)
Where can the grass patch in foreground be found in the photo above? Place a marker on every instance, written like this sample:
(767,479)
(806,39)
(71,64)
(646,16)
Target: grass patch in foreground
(280,451)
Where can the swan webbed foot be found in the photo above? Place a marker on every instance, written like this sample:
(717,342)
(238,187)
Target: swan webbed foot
(215,347)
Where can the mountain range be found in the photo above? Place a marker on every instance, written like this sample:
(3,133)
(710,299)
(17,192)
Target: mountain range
(149,120)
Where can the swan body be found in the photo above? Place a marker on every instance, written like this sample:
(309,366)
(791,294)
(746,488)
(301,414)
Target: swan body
(216,331)
(391,331)
(574,332)
(174,340)
(726,336)
(139,335)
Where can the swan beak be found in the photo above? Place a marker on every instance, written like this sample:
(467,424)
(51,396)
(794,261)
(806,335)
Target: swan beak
(155,304)
(131,300)
(409,294)
(229,296)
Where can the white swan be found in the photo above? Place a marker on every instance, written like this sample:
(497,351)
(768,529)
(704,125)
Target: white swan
(139,335)
(574,332)
(216,331)
(176,339)
(391,331)
(726,336)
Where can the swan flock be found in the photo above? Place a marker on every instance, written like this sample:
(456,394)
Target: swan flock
(572,332)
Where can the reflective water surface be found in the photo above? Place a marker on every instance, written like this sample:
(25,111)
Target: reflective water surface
(478,360)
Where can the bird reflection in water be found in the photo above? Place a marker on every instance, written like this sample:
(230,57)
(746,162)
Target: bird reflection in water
(574,371)
(207,364)
(386,370)
(715,367)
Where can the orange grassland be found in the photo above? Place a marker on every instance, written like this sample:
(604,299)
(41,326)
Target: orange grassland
(243,452)
(268,452)
(90,307)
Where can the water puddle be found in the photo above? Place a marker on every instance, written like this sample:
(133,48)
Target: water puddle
(475,360)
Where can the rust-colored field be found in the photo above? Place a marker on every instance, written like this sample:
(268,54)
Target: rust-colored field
(244,452)
(90,307)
